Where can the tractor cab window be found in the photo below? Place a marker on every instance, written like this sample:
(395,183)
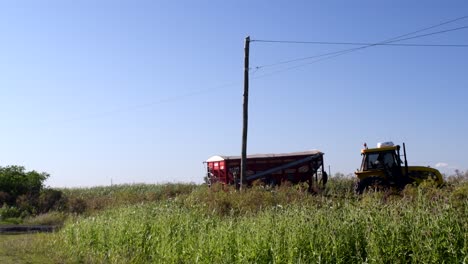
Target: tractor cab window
(379,160)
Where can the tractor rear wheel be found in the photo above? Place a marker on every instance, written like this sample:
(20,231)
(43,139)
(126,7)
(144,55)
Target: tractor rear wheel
(371,183)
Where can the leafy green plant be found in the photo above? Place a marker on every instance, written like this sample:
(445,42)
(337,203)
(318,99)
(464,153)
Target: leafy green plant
(51,218)
(9,212)
(21,189)
(278,225)
(16,181)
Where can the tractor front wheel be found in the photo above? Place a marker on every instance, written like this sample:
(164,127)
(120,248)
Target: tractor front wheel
(371,183)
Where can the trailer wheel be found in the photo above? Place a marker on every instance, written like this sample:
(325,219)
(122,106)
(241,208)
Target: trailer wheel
(371,183)
(324,179)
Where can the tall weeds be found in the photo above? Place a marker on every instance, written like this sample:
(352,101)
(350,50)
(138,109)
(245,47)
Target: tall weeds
(286,225)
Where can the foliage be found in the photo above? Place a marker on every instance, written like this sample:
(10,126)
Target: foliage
(76,205)
(26,248)
(51,219)
(458,177)
(50,199)
(21,192)
(185,223)
(89,200)
(9,212)
(16,181)
(424,224)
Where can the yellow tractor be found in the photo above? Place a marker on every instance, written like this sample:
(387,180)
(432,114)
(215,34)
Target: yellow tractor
(382,168)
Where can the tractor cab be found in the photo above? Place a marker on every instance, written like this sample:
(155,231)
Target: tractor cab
(384,167)
(383,157)
(383,162)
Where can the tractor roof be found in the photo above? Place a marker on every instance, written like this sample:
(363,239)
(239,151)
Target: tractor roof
(381,149)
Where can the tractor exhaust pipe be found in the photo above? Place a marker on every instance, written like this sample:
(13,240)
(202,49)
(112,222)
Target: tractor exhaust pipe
(406,161)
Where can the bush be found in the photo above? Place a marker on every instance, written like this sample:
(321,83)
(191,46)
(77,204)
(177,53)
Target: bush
(4,197)
(50,199)
(9,212)
(26,203)
(16,181)
(100,198)
(52,219)
(20,189)
(76,205)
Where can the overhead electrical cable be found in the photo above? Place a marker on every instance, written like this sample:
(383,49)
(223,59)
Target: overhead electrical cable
(384,42)
(316,42)
(388,42)
(320,57)
(141,106)
(428,34)
(331,55)
(366,44)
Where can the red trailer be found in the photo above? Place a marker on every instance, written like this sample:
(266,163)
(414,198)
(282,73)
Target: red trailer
(306,166)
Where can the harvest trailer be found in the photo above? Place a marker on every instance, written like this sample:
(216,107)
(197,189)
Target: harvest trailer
(272,169)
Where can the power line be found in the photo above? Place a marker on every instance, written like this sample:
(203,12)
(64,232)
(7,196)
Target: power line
(332,55)
(384,42)
(429,34)
(303,58)
(425,29)
(321,57)
(136,107)
(364,44)
(318,42)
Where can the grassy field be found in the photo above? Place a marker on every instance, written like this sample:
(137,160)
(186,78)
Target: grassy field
(25,248)
(194,224)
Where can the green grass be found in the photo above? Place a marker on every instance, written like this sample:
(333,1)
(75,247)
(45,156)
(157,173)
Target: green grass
(285,225)
(49,219)
(100,198)
(25,248)
(195,224)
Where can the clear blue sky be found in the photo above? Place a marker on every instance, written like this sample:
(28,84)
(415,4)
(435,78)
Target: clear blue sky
(145,91)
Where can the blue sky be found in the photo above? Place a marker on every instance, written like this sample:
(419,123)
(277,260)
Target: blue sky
(145,91)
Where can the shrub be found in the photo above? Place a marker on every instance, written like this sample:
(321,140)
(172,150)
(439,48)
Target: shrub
(26,203)
(52,218)
(5,197)
(76,205)
(16,181)
(9,212)
(22,190)
(50,199)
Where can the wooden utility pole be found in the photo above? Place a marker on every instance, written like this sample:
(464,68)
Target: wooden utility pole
(243,171)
